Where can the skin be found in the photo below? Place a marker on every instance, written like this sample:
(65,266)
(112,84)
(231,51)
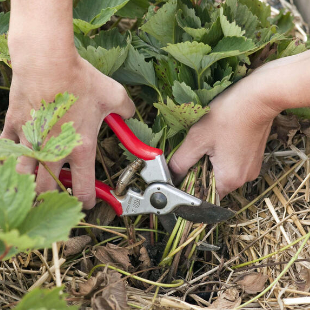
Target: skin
(235,132)
(45,62)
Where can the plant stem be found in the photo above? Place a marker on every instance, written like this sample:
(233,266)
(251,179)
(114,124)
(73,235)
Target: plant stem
(175,284)
(53,176)
(172,236)
(4,88)
(269,255)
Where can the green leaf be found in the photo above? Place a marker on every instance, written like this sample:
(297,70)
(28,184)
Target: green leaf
(18,242)
(4,50)
(162,25)
(300,112)
(143,133)
(167,72)
(207,95)
(57,148)
(189,53)
(184,94)
(136,70)
(230,29)
(45,299)
(17,192)
(10,148)
(227,47)
(92,14)
(214,34)
(106,39)
(4,22)
(106,61)
(53,219)
(260,9)
(243,17)
(45,118)
(284,22)
(294,48)
(181,117)
(134,9)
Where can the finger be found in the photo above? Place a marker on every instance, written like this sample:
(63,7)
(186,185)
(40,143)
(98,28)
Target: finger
(26,165)
(188,154)
(45,181)
(82,164)
(9,133)
(123,105)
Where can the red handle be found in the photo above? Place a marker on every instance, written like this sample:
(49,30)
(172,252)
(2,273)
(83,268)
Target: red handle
(103,191)
(129,140)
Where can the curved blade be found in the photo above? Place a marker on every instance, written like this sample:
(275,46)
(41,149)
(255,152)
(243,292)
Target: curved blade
(207,213)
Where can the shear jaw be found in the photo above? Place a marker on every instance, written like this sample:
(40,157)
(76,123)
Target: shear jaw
(156,170)
(158,198)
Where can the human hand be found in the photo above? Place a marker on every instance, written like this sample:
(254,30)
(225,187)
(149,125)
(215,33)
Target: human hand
(233,134)
(42,76)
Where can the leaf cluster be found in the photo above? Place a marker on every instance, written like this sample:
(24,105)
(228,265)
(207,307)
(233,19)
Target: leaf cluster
(189,52)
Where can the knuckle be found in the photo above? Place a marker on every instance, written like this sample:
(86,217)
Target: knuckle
(85,148)
(88,198)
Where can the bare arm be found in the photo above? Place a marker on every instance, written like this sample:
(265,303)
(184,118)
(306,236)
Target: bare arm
(235,132)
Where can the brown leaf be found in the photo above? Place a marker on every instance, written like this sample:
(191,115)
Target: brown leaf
(113,296)
(253,282)
(228,300)
(111,148)
(304,283)
(285,127)
(76,245)
(145,259)
(92,284)
(305,127)
(102,214)
(113,255)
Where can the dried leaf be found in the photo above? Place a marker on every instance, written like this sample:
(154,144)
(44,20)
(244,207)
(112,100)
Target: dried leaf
(144,258)
(102,214)
(113,255)
(253,282)
(228,300)
(305,127)
(76,244)
(92,284)
(110,146)
(285,127)
(304,283)
(113,297)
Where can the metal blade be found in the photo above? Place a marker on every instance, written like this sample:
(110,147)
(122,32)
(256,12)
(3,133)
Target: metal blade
(168,221)
(207,213)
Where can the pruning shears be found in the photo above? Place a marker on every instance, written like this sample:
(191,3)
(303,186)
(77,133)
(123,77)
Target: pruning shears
(160,197)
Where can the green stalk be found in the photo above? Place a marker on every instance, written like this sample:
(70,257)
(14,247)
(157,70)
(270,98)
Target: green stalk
(4,88)
(173,234)
(291,262)
(269,255)
(53,176)
(173,240)
(175,283)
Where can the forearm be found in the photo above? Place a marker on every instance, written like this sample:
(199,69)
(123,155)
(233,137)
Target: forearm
(42,26)
(285,83)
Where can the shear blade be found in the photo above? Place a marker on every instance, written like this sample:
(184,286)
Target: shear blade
(206,213)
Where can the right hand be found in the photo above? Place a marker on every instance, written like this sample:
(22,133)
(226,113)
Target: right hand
(42,76)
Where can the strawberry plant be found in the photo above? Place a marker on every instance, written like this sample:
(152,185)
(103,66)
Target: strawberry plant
(181,54)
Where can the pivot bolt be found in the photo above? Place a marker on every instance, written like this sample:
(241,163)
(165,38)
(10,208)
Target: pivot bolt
(158,200)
